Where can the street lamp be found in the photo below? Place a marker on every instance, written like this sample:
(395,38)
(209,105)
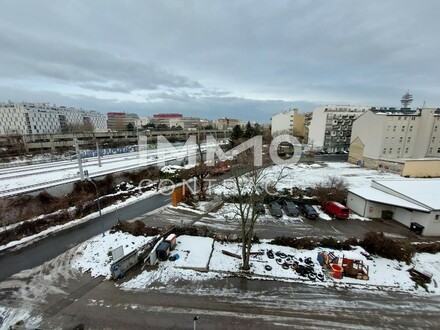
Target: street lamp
(195,321)
(99,205)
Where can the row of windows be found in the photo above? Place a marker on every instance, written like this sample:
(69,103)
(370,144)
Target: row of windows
(390,150)
(402,129)
(387,139)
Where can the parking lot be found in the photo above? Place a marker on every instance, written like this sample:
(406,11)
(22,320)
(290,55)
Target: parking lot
(225,220)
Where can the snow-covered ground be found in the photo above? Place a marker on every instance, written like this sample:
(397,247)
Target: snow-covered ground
(30,177)
(304,176)
(197,253)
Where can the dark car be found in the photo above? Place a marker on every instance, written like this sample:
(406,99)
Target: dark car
(275,209)
(290,209)
(309,211)
(260,209)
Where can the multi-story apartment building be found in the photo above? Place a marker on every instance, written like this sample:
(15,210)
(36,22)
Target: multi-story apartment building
(43,118)
(288,122)
(119,121)
(330,127)
(392,134)
(142,121)
(185,122)
(228,123)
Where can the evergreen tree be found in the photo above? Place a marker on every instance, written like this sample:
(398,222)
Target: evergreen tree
(249,132)
(237,134)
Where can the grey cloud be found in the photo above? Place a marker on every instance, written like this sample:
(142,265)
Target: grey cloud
(211,56)
(39,57)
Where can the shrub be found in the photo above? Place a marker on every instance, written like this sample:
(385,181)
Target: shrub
(377,243)
(332,189)
(433,247)
(293,242)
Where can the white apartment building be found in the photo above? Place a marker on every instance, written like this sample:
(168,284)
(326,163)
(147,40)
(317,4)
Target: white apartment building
(184,122)
(288,122)
(330,127)
(43,118)
(390,134)
(141,121)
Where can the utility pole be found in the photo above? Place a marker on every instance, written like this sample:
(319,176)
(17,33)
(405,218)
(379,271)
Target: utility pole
(78,156)
(98,153)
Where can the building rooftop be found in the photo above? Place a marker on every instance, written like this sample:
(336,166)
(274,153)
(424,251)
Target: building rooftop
(421,191)
(376,195)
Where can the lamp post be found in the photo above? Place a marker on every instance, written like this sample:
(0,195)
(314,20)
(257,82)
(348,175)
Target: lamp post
(195,321)
(99,205)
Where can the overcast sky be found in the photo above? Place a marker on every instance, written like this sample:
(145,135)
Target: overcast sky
(241,59)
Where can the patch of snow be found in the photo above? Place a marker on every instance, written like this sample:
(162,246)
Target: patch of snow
(355,216)
(321,213)
(194,252)
(94,255)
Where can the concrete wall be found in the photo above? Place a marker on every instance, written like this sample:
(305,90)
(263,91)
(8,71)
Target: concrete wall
(367,208)
(356,151)
(317,127)
(421,168)
(357,204)
(299,127)
(433,224)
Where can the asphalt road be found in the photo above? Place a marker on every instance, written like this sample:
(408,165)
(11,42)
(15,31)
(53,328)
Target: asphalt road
(239,303)
(35,254)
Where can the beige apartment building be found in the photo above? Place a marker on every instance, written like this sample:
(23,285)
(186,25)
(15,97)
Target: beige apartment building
(387,137)
(288,122)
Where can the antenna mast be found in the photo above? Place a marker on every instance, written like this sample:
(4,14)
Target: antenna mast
(407,99)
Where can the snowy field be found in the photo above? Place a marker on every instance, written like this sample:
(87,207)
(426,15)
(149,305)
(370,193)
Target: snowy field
(197,253)
(304,176)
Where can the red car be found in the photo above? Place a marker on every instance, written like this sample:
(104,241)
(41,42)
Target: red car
(336,209)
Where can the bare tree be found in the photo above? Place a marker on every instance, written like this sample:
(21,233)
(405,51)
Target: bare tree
(251,184)
(334,188)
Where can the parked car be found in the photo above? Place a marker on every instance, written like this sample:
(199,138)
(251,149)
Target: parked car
(336,209)
(290,209)
(275,209)
(309,211)
(260,209)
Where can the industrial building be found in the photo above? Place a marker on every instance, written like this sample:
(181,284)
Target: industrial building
(412,202)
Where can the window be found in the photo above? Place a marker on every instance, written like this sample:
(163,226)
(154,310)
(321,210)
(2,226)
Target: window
(388,128)
(430,150)
(398,151)
(435,128)
(394,128)
(403,128)
(437,217)
(384,151)
(409,139)
(406,150)
(386,139)
(399,118)
(391,151)
(433,139)
(411,128)
(401,139)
